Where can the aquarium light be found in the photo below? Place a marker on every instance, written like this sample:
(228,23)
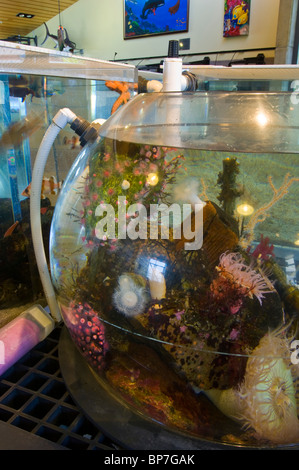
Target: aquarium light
(245,209)
(152,179)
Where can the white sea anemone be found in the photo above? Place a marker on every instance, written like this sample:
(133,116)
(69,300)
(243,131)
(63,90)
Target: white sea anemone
(130,296)
(268,392)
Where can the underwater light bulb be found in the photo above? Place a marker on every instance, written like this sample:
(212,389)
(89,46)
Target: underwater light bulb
(262,119)
(245,209)
(152,179)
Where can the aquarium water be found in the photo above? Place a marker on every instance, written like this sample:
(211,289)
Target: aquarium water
(174,257)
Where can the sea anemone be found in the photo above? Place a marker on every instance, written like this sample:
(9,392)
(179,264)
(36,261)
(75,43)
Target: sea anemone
(268,394)
(232,266)
(130,296)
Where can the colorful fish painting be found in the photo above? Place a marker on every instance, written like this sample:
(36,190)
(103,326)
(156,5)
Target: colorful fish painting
(236,18)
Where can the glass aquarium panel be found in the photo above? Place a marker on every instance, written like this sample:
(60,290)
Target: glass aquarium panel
(34,84)
(245,77)
(174,256)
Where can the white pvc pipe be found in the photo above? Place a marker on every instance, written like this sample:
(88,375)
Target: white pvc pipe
(172,74)
(172,82)
(63,117)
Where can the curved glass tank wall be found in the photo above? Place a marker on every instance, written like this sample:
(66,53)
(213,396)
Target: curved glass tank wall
(174,255)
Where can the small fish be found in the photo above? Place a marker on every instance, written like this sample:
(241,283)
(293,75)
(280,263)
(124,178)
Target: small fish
(21,92)
(10,230)
(239,11)
(20,86)
(243,18)
(49,186)
(18,80)
(74,142)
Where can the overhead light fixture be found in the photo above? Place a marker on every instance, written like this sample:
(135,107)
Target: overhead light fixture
(25,15)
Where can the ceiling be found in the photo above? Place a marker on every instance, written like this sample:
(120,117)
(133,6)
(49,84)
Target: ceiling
(43,10)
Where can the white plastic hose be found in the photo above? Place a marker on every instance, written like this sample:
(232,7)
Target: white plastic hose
(63,117)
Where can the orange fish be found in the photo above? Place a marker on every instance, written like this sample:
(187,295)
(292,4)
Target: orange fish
(10,230)
(49,186)
(74,142)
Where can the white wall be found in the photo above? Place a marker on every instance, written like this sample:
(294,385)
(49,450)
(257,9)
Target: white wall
(97,27)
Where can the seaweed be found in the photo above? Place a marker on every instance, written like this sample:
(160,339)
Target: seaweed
(229,188)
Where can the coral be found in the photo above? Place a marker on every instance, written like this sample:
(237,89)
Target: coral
(263,250)
(245,279)
(130,296)
(263,212)
(268,395)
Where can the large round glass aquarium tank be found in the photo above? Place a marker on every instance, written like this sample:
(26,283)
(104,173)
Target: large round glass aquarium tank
(174,258)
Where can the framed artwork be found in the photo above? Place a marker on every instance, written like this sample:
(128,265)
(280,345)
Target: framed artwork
(236,18)
(154,17)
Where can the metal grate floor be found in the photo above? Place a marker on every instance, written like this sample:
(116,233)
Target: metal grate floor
(34,399)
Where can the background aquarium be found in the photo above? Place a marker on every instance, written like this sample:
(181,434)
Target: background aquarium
(34,84)
(174,256)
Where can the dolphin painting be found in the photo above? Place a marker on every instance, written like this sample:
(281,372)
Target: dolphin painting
(150,6)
